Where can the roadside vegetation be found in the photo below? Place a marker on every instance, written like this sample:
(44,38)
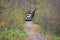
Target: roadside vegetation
(48,33)
(12,20)
(12,25)
(48,18)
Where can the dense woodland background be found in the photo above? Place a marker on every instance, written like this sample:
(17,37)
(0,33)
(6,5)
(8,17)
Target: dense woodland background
(47,15)
(13,12)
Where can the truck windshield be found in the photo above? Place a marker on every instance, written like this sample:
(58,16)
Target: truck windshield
(28,15)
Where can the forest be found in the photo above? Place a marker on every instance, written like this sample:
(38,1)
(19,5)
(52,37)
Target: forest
(13,14)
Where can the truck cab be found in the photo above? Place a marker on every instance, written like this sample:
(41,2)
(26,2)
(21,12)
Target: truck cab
(30,15)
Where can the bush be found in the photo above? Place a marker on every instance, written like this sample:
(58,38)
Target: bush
(48,16)
(12,26)
(12,19)
(12,34)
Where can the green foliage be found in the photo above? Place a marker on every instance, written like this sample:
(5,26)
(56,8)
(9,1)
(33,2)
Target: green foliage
(13,30)
(48,16)
(12,34)
(12,19)
(49,34)
(17,15)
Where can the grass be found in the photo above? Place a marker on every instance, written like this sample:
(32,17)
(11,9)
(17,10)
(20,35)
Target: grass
(12,34)
(13,30)
(49,34)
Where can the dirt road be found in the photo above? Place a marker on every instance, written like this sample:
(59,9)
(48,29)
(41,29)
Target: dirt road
(31,32)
